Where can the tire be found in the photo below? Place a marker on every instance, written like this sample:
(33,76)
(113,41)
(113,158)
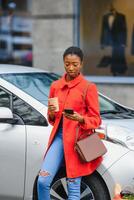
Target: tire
(97,186)
(92,188)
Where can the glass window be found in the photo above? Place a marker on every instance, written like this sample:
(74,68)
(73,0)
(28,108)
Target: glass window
(35,84)
(4,99)
(111,39)
(15,32)
(29,115)
(3,44)
(105,104)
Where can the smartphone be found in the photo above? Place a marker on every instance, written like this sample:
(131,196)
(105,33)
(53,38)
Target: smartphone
(69,111)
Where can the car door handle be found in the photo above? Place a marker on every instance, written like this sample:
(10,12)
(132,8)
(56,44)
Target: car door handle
(36,142)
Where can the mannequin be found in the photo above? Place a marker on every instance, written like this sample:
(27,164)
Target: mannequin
(114,34)
(111,17)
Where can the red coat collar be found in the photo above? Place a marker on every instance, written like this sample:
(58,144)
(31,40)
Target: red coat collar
(71,83)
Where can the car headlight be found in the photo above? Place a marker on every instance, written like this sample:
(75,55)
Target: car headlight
(117,134)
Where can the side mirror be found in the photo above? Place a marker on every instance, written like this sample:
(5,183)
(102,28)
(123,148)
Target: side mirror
(6,116)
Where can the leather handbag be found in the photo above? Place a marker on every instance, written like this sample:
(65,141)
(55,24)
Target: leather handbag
(90,147)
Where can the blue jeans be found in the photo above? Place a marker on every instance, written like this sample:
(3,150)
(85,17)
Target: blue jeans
(50,166)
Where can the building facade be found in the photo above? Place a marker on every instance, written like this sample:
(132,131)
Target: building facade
(53,31)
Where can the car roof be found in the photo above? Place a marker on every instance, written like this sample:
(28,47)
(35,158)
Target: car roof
(7,68)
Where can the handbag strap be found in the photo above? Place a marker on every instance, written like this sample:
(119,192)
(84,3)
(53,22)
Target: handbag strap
(84,98)
(85,91)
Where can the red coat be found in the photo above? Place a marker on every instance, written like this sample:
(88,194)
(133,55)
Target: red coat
(70,95)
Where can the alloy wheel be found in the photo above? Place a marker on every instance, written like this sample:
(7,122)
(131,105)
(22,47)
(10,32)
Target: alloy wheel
(59,191)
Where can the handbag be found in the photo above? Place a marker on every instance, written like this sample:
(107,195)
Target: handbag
(90,147)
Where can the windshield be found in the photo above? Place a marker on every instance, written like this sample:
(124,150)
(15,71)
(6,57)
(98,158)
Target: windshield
(35,84)
(112,110)
(106,105)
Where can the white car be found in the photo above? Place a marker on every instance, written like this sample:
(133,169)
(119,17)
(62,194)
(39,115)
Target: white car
(24,133)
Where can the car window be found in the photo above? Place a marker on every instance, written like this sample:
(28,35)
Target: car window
(35,84)
(105,104)
(29,115)
(112,110)
(4,98)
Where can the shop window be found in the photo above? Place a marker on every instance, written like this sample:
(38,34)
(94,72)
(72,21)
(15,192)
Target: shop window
(15,32)
(107,37)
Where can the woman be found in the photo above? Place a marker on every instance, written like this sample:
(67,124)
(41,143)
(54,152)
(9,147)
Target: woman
(69,90)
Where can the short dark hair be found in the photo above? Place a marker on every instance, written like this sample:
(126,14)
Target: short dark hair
(74,51)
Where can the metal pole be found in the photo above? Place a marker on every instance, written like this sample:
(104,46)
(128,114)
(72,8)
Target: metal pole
(76,22)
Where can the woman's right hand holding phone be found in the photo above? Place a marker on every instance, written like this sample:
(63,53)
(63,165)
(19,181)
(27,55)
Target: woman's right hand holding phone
(72,115)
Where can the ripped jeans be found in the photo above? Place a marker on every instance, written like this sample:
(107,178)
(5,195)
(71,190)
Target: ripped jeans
(50,166)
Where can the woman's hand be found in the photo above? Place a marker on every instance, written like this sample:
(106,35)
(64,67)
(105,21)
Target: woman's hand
(76,117)
(52,110)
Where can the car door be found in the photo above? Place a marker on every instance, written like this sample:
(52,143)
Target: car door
(37,135)
(12,153)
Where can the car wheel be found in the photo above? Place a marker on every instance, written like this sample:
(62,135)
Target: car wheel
(92,188)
